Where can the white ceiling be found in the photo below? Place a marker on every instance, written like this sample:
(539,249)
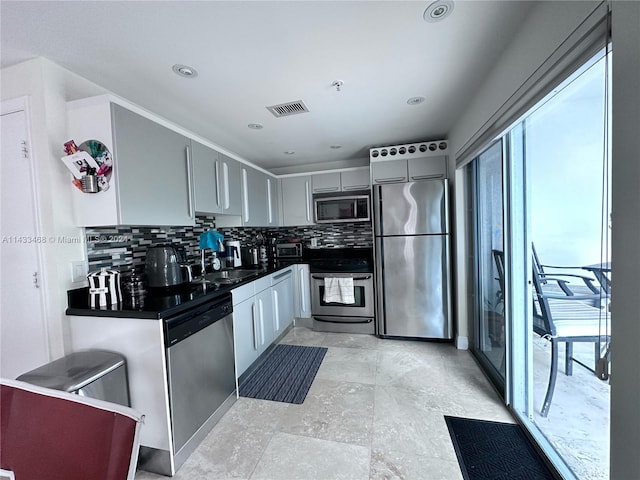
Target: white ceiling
(250,55)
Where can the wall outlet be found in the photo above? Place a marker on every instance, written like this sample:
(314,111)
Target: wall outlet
(314,242)
(78,271)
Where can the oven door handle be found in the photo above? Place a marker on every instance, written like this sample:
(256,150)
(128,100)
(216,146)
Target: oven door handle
(334,320)
(367,277)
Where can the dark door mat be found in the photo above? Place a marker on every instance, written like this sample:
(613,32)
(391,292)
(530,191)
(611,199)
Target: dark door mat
(495,451)
(285,375)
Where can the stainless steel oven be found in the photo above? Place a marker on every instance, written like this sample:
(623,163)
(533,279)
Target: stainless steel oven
(355,317)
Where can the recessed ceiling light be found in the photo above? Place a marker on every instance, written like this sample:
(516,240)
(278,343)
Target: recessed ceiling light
(438,11)
(335,147)
(255,126)
(289,152)
(415,100)
(185,71)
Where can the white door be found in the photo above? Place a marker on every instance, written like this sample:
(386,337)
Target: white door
(23,334)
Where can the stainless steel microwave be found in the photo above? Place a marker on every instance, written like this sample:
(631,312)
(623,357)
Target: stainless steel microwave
(289,250)
(342,208)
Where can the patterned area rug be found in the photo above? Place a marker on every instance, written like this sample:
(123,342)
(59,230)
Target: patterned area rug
(495,451)
(285,375)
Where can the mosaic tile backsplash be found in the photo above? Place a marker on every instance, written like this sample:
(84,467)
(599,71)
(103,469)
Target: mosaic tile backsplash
(125,247)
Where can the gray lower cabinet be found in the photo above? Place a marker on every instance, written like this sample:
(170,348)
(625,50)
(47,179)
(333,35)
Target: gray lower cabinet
(296,201)
(283,292)
(246,333)
(264,308)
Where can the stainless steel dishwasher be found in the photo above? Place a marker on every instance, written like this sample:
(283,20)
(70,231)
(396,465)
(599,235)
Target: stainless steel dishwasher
(200,366)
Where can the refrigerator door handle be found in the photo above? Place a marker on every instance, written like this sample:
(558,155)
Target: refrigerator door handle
(379,280)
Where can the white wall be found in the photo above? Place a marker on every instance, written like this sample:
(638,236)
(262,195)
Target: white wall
(549,23)
(48,88)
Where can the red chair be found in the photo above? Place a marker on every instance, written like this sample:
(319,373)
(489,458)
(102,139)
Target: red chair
(50,434)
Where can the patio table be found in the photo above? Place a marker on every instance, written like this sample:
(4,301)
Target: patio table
(601,271)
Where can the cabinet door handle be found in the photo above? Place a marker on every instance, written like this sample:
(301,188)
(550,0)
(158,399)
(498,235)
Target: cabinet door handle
(325,189)
(255,326)
(225,178)
(245,194)
(261,312)
(389,180)
(308,199)
(276,311)
(426,177)
(356,187)
(217,184)
(269,205)
(303,298)
(189,181)
(282,275)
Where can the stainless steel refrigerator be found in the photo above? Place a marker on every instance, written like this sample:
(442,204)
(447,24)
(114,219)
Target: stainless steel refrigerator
(412,260)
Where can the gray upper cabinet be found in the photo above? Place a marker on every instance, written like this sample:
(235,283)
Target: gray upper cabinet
(153,171)
(357,179)
(206,179)
(273,195)
(427,168)
(296,201)
(231,185)
(152,178)
(393,171)
(255,200)
(326,182)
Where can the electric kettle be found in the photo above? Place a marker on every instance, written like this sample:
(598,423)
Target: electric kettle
(165,266)
(232,253)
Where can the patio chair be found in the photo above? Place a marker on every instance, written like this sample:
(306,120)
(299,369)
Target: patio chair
(565,283)
(566,318)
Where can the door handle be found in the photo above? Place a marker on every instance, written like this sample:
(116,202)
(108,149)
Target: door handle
(255,326)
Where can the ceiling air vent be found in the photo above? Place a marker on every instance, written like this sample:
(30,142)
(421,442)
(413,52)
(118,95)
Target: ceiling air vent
(289,108)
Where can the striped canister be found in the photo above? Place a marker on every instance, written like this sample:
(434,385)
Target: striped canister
(104,288)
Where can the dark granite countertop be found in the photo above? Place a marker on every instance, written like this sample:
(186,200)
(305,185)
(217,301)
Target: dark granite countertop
(161,303)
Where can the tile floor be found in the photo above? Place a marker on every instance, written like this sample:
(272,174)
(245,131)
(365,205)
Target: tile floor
(375,411)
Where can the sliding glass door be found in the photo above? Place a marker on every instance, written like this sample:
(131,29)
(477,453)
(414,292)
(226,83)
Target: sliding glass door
(489,335)
(542,277)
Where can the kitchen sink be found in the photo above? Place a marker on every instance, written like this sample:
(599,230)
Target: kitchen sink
(228,277)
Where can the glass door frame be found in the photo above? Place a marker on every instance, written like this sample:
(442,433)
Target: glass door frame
(488,367)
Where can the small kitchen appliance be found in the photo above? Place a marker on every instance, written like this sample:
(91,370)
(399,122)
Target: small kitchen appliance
(346,207)
(232,253)
(288,250)
(166,266)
